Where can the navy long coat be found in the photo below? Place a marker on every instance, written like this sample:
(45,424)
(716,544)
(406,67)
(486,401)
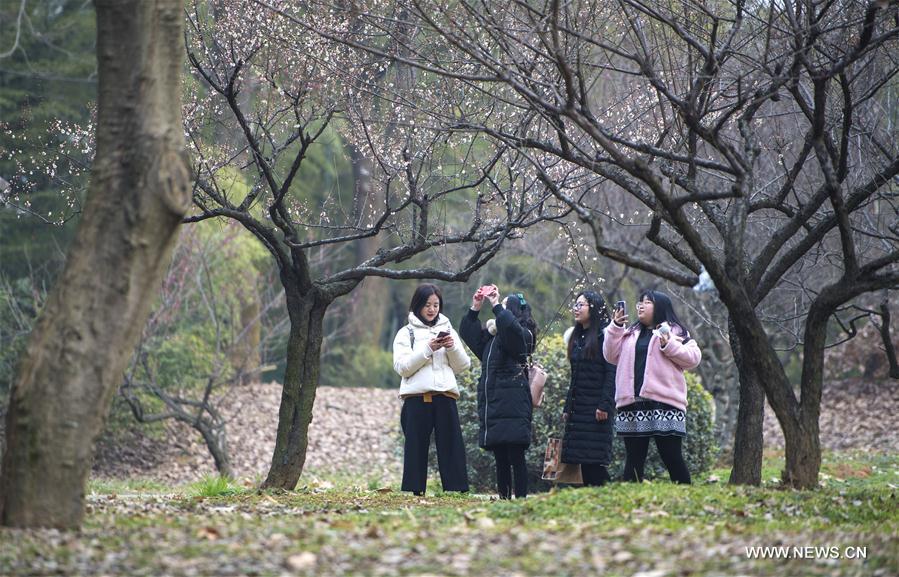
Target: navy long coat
(592,387)
(504,396)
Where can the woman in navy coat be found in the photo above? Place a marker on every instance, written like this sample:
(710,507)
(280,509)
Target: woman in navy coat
(504,397)
(589,412)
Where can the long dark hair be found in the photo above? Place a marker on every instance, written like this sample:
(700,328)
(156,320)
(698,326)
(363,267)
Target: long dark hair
(663,312)
(599,318)
(420,299)
(521,310)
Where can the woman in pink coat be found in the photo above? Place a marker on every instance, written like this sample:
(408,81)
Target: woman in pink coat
(650,389)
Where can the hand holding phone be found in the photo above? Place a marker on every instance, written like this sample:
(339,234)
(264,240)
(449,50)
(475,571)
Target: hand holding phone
(619,316)
(492,295)
(444,339)
(664,333)
(485,290)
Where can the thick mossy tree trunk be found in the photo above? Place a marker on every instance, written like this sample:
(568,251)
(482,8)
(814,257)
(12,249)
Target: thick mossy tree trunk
(307,312)
(140,190)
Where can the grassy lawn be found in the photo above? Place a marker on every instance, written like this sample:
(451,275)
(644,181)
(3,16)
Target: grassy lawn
(333,527)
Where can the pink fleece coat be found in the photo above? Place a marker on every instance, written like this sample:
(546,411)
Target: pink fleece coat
(663,380)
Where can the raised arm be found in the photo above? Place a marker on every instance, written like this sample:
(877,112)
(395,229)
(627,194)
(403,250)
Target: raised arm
(613,338)
(473,334)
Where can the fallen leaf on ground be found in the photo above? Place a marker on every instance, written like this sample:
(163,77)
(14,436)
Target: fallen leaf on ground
(302,561)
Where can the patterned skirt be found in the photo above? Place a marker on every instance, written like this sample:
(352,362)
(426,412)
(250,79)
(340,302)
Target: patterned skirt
(650,418)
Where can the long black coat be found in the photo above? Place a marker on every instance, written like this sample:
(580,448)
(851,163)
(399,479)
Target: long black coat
(504,397)
(586,440)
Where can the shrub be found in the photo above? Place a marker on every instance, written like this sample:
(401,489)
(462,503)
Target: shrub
(700,447)
(20,302)
(363,365)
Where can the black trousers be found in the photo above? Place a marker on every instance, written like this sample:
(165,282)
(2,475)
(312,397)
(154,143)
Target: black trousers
(670,450)
(510,464)
(418,419)
(595,475)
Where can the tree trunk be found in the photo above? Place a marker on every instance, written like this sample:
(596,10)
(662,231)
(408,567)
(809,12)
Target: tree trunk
(217,443)
(307,313)
(761,375)
(802,443)
(749,436)
(886,337)
(799,421)
(140,189)
(803,453)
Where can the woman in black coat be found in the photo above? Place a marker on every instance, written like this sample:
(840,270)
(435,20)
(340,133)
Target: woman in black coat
(589,411)
(504,397)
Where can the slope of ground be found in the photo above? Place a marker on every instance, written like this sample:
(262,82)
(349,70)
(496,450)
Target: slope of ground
(355,431)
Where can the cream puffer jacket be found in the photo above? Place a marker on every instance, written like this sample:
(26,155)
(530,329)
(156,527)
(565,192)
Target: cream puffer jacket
(424,370)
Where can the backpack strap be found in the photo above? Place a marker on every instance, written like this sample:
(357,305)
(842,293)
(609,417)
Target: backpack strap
(411,336)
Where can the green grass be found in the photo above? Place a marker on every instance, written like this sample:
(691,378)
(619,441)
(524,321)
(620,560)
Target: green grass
(215,486)
(334,526)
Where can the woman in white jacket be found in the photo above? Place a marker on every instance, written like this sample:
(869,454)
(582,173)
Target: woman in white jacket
(427,353)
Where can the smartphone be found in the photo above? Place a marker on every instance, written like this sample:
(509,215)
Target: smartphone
(486,289)
(621,306)
(442,335)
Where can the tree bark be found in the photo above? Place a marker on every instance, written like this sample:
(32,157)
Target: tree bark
(798,420)
(802,448)
(217,442)
(802,444)
(307,313)
(887,338)
(140,190)
(749,436)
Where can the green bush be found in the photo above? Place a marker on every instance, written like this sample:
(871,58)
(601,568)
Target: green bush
(20,302)
(364,365)
(196,334)
(700,448)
